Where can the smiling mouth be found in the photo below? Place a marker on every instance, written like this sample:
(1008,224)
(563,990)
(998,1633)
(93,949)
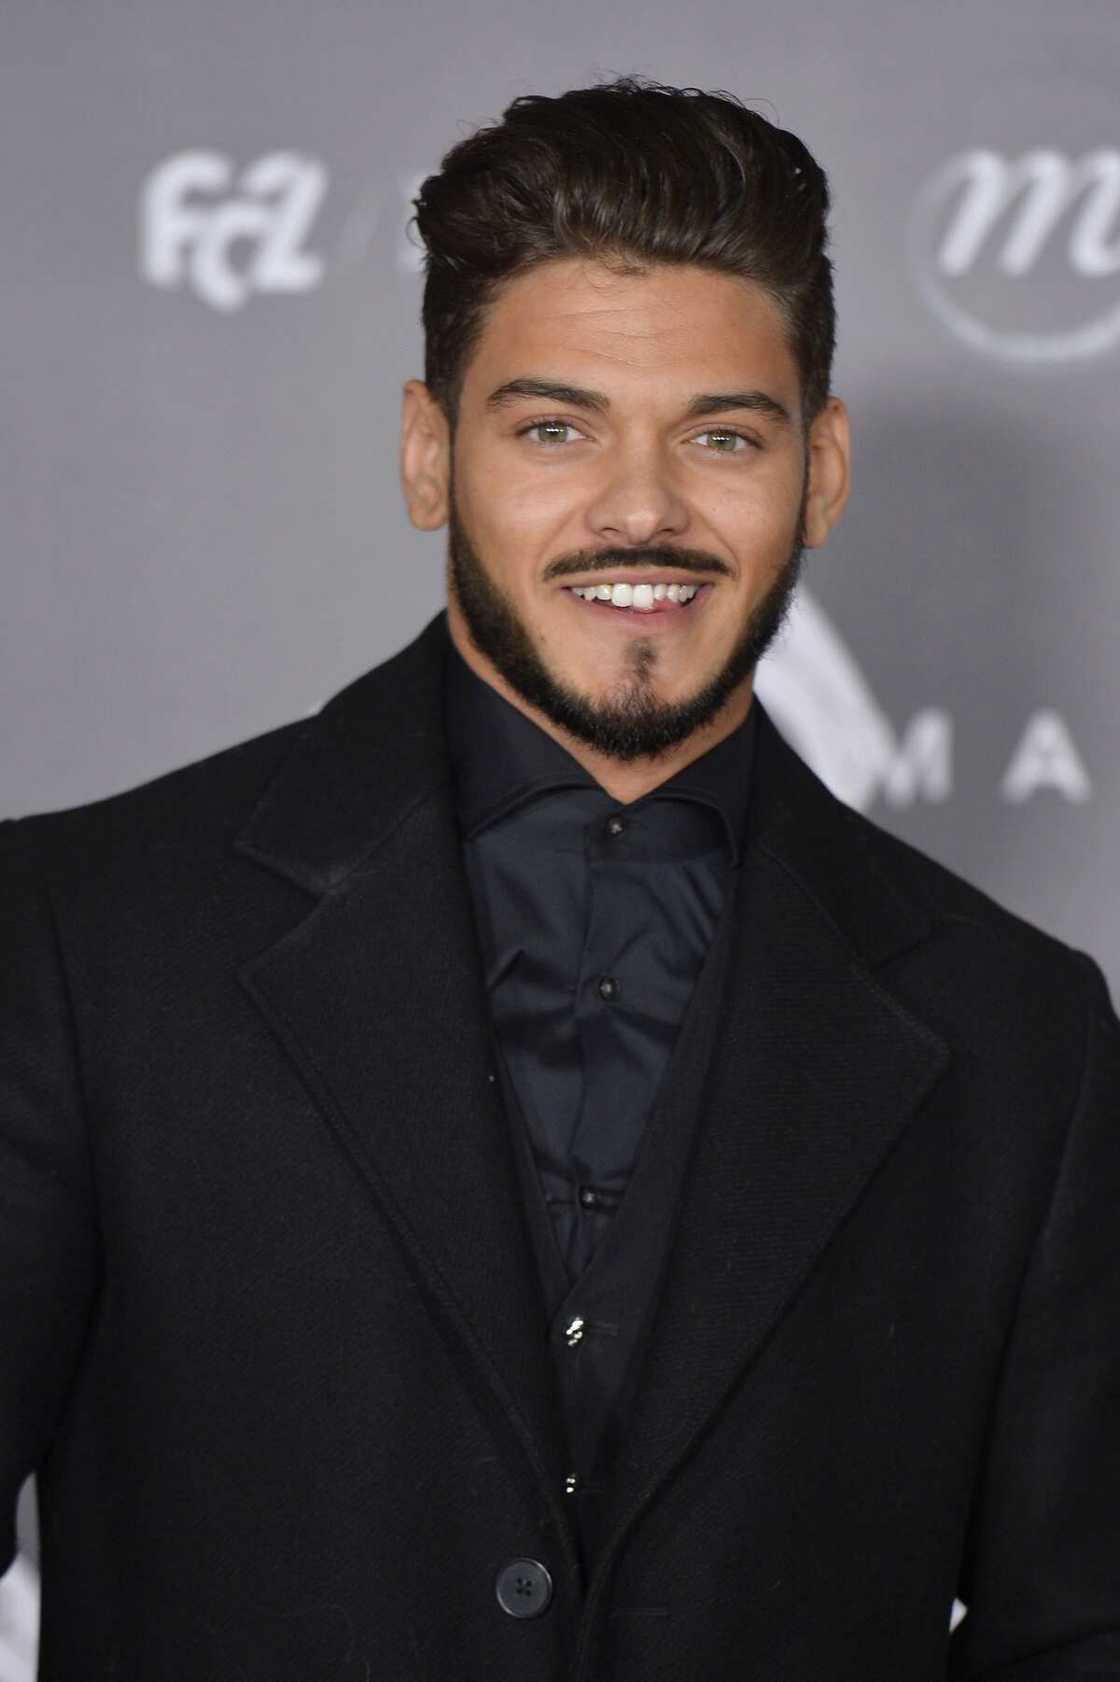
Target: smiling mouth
(641,598)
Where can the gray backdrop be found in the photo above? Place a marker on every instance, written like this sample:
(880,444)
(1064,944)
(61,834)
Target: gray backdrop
(209,305)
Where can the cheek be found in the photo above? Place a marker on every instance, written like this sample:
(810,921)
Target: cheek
(752,507)
(515,525)
(759,533)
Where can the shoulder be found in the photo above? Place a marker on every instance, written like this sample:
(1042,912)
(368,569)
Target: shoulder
(952,900)
(896,904)
(1001,965)
(200,804)
(204,805)
(134,898)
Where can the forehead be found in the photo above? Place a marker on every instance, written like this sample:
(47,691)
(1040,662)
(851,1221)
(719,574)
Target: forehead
(676,324)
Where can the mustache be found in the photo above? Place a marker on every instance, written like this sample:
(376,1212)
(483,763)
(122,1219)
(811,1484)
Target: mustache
(657,555)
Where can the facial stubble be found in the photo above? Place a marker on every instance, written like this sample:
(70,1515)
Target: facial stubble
(635,724)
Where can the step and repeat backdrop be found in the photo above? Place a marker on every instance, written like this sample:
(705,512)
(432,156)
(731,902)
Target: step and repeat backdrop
(210,301)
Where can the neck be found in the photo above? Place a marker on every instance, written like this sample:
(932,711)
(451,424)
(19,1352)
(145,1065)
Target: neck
(624,780)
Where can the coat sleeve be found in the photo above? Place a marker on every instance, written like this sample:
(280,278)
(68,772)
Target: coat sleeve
(1042,1578)
(48,1242)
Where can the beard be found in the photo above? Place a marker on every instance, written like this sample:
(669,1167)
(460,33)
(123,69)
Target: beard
(633,723)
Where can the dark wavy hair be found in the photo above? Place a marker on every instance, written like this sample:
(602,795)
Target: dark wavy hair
(630,172)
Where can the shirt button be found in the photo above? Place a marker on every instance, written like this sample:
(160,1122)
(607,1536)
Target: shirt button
(589,1197)
(523,1588)
(608,987)
(615,824)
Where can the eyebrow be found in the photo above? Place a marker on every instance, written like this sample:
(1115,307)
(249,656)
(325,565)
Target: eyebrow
(706,403)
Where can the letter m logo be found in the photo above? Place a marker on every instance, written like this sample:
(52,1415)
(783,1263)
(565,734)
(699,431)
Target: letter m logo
(1016,207)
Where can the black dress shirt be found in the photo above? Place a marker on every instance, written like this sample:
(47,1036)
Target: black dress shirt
(595,920)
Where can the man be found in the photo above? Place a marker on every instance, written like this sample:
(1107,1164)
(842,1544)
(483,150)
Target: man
(508,1179)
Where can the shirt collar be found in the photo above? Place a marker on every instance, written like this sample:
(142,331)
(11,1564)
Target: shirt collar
(501,760)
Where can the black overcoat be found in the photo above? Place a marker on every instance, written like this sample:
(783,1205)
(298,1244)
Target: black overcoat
(270,1331)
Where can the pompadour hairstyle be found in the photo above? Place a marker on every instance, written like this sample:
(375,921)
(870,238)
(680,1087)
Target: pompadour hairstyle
(630,172)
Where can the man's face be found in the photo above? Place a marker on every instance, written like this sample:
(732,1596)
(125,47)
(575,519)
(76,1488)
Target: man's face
(634,430)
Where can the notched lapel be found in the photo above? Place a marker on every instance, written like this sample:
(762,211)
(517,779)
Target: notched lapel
(377,997)
(816,1072)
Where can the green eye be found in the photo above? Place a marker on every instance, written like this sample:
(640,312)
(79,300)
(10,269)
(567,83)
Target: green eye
(548,431)
(726,442)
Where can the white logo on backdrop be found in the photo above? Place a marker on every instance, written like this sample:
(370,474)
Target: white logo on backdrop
(821,700)
(195,214)
(1011,212)
(823,703)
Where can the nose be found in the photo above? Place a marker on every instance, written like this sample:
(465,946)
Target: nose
(638,501)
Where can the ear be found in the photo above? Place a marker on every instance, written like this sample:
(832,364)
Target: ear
(425,457)
(830,462)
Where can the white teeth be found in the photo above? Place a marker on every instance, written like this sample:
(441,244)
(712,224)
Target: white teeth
(639,596)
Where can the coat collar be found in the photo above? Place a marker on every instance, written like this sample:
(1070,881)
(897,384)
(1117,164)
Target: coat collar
(378,750)
(358,769)
(377,996)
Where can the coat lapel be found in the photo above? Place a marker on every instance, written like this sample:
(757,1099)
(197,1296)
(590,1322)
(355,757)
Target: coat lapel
(816,1071)
(377,997)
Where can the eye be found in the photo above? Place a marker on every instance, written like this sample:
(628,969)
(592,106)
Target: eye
(550,432)
(726,441)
